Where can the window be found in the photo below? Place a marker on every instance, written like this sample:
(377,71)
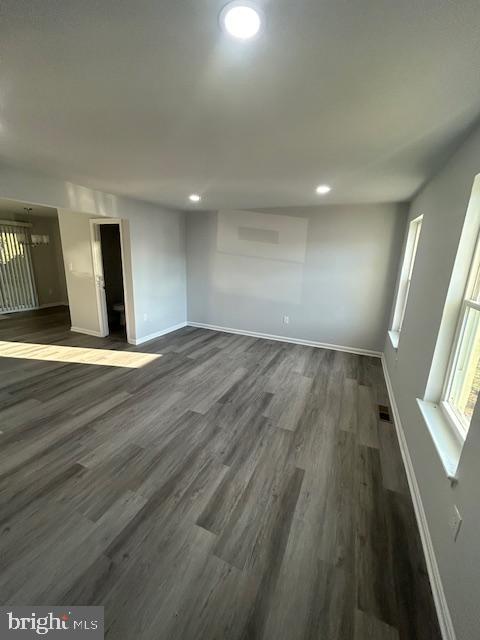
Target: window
(17,282)
(453,384)
(463,376)
(405,279)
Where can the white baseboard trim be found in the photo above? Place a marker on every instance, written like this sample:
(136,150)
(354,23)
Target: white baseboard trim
(441,605)
(87,332)
(268,336)
(157,334)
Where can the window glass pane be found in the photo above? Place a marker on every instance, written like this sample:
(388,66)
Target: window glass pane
(476,283)
(418,228)
(404,309)
(466,375)
(406,273)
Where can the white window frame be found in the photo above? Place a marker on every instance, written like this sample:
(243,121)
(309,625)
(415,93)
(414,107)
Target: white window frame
(456,420)
(414,231)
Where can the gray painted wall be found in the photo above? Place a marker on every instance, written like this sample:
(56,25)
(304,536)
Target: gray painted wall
(77,253)
(157,237)
(48,263)
(443,203)
(47,260)
(331,269)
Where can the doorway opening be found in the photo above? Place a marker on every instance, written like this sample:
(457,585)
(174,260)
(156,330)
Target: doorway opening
(113,279)
(111,269)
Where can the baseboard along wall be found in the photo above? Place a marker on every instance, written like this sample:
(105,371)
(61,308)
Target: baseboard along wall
(87,332)
(441,605)
(268,336)
(157,334)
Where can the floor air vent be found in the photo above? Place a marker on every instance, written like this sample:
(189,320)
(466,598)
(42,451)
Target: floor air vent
(384,413)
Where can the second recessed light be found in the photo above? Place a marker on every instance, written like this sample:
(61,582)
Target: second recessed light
(323,189)
(194,197)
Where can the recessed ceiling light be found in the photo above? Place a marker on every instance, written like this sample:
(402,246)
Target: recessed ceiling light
(194,197)
(241,19)
(323,189)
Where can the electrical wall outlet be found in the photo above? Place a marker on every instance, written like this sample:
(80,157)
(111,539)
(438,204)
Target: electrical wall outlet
(286,320)
(455,522)
(145,317)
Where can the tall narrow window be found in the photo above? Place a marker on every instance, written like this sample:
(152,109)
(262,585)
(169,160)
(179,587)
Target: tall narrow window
(17,284)
(462,383)
(405,278)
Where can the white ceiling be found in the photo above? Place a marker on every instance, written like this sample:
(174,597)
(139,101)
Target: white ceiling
(17,210)
(148,98)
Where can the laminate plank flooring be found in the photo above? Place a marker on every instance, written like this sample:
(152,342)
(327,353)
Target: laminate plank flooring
(204,486)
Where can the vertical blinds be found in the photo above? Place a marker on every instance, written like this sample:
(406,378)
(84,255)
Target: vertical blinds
(17,284)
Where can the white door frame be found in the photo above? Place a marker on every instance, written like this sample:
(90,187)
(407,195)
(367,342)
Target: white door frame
(126,273)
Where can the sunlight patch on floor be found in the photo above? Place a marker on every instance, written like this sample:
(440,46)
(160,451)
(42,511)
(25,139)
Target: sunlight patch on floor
(77,355)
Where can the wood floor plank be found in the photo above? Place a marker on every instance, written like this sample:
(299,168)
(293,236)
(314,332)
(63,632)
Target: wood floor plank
(219,510)
(367,417)
(312,600)
(373,556)
(289,401)
(370,627)
(393,472)
(416,613)
(231,488)
(349,409)
(250,523)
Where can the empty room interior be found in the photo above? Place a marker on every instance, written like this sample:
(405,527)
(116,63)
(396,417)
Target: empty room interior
(240,319)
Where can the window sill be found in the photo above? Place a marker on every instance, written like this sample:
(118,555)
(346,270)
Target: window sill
(447,443)
(394,338)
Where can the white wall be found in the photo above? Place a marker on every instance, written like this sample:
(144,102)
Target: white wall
(77,255)
(331,269)
(157,238)
(48,263)
(443,203)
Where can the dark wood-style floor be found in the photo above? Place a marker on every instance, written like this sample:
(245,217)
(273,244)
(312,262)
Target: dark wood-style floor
(233,488)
